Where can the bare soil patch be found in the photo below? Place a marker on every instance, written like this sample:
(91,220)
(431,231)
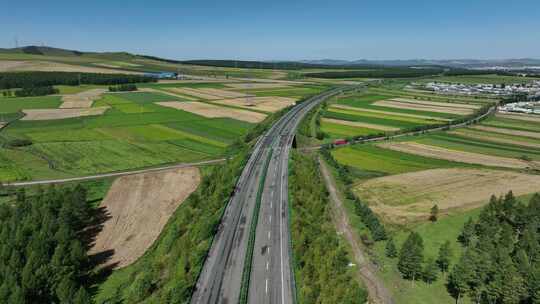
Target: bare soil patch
(360,124)
(139,206)
(51,114)
(267,104)
(507,131)
(458,156)
(420,107)
(212,111)
(495,139)
(439,104)
(404,197)
(81,100)
(517,116)
(345,107)
(257,85)
(48,66)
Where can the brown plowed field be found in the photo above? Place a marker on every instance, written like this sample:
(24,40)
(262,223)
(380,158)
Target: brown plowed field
(139,206)
(212,111)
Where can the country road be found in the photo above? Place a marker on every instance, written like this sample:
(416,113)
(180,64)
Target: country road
(268,278)
(113,174)
(367,272)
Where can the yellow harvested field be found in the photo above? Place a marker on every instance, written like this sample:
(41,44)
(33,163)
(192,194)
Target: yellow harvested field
(195,93)
(523,117)
(138,207)
(420,107)
(222,93)
(360,124)
(267,104)
(345,107)
(257,85)
(81,100)
(212,111)
(507,131)
(47,66)
(457,156)
(439,104)
(52,114)
(410,196)
(486,137)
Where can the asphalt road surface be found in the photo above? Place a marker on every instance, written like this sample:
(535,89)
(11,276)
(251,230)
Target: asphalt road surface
(271,279)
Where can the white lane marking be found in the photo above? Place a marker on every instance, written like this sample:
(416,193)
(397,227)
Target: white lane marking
(266,288)
(268,234)
(267,265)
(281,241)
(270,219)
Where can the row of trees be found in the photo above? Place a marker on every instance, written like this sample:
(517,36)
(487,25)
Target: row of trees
(31,91)
(10,80)
(368,217)
(501,259)
(123,88)
(321,262)
(42,259)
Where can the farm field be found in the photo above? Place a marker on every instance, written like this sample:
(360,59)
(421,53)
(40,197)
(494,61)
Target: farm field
(150,198)
(133,132)
(90,131)
(458,170)
(390,110)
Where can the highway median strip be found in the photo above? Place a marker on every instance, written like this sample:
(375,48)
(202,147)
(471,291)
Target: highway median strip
(246,274)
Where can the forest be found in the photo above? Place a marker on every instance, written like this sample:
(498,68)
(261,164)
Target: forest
(501,259)
(10,80)
(42,256)
(320,257)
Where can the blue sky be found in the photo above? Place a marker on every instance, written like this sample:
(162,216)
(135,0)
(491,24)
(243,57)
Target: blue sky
(279,30)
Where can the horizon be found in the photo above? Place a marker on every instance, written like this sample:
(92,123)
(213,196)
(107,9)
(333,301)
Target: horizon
(281,30)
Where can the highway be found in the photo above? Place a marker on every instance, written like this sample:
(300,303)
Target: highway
(270,279)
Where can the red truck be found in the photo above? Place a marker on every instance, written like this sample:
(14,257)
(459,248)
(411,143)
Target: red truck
(339,142)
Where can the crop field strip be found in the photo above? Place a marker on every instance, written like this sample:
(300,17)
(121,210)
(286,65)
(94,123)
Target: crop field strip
(517,116)
(512,124)
(430,96)
(135,132)
(432,151)
(411,106)
(497,138)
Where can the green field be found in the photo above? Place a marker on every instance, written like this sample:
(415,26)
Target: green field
(134,133)
(335,130)
(513,124)
(370,158)
(456,142)
(12,105)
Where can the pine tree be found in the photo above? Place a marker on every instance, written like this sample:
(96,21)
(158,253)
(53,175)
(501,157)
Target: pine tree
(82,297)
(467,233)
(430,271)
(459,278)
(444,257)
(411,257)
(390,249)
(434,213)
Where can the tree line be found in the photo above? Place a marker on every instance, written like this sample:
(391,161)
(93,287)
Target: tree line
(320,258)
(42,257)
(10,80)
(129,87)
(361,209)
(501,258)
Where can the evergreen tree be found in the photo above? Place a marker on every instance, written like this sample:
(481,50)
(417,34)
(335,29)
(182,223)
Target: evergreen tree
(411,257)
(430,271)
(391,250)
(434,213)
(467,233)
(82,297)
(444,257)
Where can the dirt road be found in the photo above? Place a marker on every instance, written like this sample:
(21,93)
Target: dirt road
(378,293)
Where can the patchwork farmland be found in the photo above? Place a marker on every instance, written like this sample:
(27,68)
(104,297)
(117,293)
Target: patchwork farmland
(401,180)
(92,131)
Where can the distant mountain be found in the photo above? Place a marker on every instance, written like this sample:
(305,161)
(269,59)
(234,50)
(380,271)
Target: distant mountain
(459,63)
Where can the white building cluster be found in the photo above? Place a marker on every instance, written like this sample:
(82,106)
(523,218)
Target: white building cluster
(521,107)
(531,89)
